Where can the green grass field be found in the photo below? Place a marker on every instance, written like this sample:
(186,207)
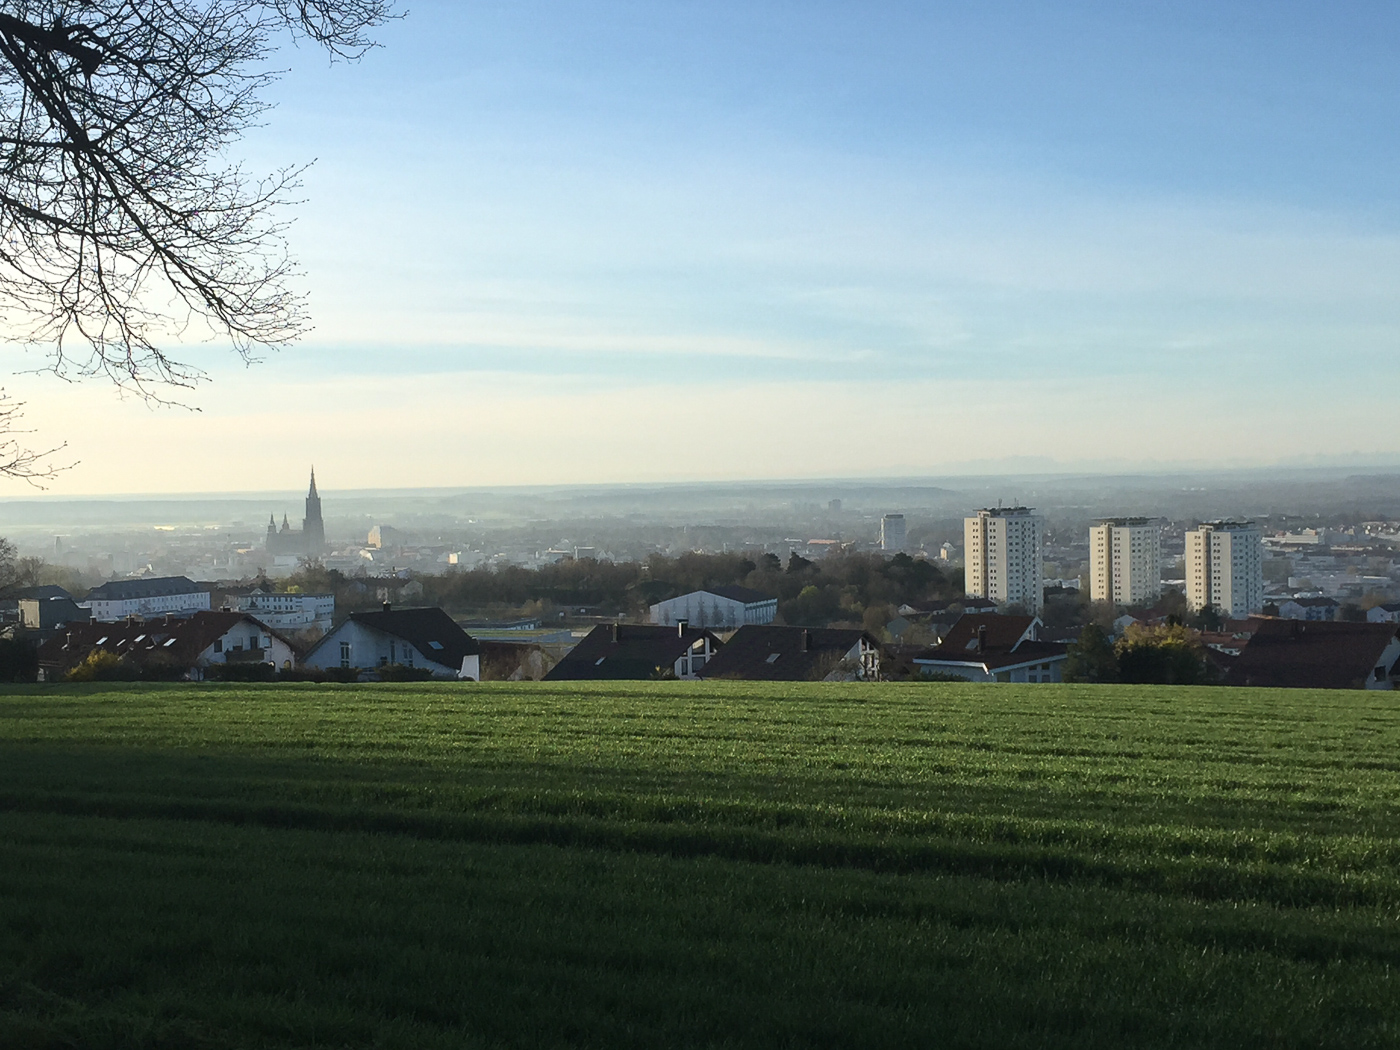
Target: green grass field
(698,865)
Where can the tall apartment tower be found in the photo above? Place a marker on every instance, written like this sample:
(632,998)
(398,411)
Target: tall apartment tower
(313,529)
(1225,567)
(1004,553)
(892,534)
(1125,561)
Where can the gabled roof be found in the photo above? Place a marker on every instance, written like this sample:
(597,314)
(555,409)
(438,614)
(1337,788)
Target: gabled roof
(1311,602)
(613,652)
(1313,655)
(173,640)
(783,654)
(735,594)
(997,659)
(42,593)
(747,595)
(1002,632)
(429,630)
(155,587)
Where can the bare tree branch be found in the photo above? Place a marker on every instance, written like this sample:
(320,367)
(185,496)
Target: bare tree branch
(122,223)
(17,461)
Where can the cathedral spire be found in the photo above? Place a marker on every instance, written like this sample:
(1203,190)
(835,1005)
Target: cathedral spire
(312,492)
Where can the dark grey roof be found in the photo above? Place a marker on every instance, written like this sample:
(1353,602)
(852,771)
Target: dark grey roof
(615,652)
(1314,655)
(776,653)
(42,593)
(422,628)
(154,587)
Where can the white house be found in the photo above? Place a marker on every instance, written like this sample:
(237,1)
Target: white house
(1315,609)
(290,612)
(145,597)
(406,637)
(717,607)
(1388,613)
(992,648)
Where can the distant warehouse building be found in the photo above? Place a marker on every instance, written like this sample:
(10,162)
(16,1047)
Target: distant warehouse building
(147,597)
(717,607)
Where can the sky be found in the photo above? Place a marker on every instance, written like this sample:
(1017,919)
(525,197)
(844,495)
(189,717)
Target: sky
(597,242)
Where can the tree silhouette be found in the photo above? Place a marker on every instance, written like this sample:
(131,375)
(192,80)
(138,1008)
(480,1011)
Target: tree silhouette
(123,224)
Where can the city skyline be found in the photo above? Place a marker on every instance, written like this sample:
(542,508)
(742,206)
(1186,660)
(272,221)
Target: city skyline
(897,241)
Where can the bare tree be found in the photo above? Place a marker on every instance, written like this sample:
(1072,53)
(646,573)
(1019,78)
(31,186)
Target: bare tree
(123,225)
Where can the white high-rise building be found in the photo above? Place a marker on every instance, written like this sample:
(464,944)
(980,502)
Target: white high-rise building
(1225,568)
(1125,561)
(1004,554)
(892,534)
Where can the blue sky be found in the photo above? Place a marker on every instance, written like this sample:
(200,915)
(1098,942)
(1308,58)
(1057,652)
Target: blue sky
(561,241)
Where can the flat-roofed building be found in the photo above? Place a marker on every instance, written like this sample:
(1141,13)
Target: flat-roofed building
(1125,561)
(1225,568)
(1004,557)
(893,536)
(151,596)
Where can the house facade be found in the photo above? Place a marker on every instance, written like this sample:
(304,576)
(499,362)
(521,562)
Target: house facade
(1004,557)
(290,612)
(1125,561)
(145,597)
(426,638)
(1314,609)
(1225,568)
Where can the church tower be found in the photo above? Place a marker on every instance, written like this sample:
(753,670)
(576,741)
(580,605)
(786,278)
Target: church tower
(313,529)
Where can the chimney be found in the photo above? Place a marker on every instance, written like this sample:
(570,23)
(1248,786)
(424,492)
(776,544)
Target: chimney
(681,625)
(388,607)
(806,642)
(981,637)
(617,632)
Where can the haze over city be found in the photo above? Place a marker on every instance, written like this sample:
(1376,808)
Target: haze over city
(613,242)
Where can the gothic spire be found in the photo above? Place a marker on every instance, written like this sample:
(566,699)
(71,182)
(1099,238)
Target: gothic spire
(313,482)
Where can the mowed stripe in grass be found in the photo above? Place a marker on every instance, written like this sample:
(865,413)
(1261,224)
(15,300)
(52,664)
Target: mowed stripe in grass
(816,865)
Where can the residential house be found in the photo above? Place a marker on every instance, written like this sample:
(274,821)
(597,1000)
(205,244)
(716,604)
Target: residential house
(153,596)
(1319,655)
(992,648)
(427,638)
(796,654)
(1387,613)
(717,607)
(955,607)
(1313,609)
(617,651)
(191,643)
